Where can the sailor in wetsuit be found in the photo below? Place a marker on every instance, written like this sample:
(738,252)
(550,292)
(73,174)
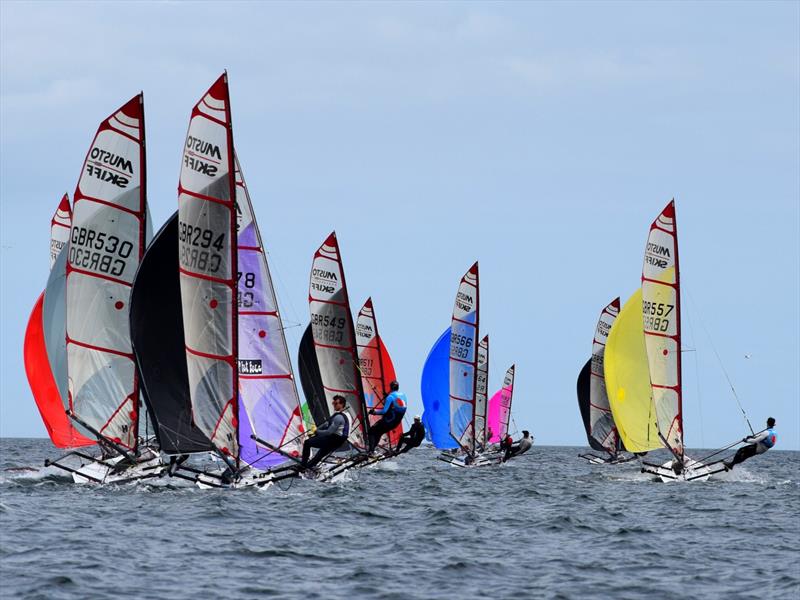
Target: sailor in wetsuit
(758,444)
(329,436)
(520,447)
(413,437)
(394,407)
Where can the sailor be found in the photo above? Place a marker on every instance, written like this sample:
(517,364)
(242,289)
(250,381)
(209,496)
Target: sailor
(413,437)
(329,436)
(394,407)
(520,447)
(757,444)
(506,442)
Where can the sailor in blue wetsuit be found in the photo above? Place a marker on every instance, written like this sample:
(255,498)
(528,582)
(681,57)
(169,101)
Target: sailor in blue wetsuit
(329,436)
(394,407)
(757,444)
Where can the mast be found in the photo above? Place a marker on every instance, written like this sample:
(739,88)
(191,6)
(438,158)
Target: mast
(208,269)
(601,422)
(334,336)
(464,361)
(269,406)
(107,241)
(662,327)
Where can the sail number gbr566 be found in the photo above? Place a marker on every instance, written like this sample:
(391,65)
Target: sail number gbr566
(200,248)
(656,316)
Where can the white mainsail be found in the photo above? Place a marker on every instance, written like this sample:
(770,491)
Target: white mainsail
(208,267)
(601,421)
(662,325)
(334,336)
(107,240)
(482,393)
(464,360)
(60,226)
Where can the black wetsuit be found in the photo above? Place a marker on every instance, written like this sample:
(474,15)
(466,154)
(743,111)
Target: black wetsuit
(412,438)
(329,437)
(520,447)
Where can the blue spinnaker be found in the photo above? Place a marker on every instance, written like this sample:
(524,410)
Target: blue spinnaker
(436,394)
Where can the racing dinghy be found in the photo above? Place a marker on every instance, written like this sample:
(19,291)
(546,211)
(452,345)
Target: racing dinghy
(601,431)
(107,239)
(643,361)
(241,387)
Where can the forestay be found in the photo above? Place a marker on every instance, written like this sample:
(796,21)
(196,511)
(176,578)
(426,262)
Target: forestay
(208,267)
(628,380)
(107,240)
(269,405)
(377,370)
(601,421)
(334,336)
(662,326)
(482,393)
(464,360)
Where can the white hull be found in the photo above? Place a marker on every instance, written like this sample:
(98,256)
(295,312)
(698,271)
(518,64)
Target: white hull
(692,471)
(148,464)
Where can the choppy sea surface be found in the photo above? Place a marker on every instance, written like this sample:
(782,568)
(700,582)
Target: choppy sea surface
(547,525)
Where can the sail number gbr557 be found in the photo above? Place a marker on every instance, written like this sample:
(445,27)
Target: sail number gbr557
(656,316)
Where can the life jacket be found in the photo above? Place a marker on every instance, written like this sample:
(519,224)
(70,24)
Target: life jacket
(770,440)
(509,440)
(397,408)
(346,429)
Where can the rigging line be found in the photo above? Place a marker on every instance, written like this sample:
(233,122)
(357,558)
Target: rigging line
(722,366)
(697,378)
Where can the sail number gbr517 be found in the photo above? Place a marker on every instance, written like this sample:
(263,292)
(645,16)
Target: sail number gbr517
(200,248)
(656,316)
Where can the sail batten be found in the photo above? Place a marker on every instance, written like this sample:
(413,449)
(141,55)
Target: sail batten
(464,361)
(107,240)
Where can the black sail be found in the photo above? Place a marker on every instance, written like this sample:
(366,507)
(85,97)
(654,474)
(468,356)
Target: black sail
(311,379)
(156,322)
(583,403)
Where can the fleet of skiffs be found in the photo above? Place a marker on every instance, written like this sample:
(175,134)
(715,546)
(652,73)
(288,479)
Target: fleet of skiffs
(157,349)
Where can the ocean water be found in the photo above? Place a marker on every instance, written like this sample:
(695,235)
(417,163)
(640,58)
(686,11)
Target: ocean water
(547,525)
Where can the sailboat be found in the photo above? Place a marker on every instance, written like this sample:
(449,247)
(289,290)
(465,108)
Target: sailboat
(601,431)
(108,235)
(241,387)
(45,341)
(643,360)
(499,414)
(336,348)
(376,368)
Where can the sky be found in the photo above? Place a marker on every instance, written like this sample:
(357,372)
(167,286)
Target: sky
(541,139)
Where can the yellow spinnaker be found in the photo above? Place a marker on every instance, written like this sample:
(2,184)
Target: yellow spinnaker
(628,380)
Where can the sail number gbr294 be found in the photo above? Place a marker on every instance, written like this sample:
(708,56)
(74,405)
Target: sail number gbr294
(656,316)
(200,248)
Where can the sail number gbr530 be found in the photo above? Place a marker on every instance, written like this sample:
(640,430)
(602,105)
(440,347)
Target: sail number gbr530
(98,251)
(655,316)
(200,248)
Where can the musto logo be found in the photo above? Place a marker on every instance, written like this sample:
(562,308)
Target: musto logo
(201,156)
(109,167)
